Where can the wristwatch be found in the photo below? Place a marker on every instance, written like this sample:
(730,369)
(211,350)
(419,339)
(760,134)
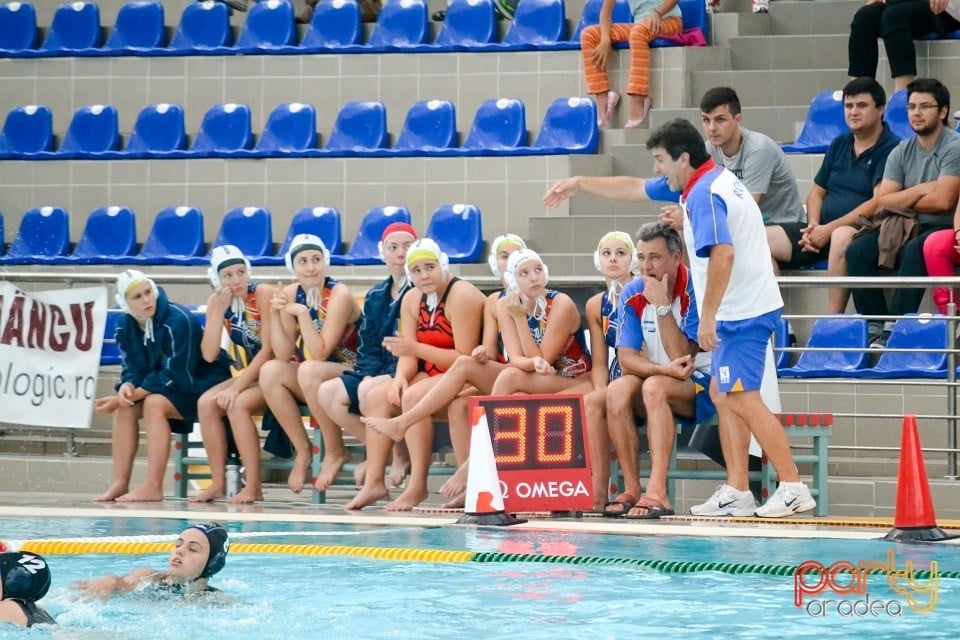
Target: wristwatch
(664,310)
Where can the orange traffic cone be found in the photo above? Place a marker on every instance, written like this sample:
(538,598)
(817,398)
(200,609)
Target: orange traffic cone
(484,501)
(914,520)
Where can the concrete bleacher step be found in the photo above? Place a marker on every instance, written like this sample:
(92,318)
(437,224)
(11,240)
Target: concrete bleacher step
(776,122)
(781,88)
(800,17)
(807,51)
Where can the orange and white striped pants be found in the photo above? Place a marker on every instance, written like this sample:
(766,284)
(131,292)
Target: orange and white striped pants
(639,36)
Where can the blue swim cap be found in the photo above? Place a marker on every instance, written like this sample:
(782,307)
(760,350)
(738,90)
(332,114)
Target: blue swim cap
(219,546)
(25,576)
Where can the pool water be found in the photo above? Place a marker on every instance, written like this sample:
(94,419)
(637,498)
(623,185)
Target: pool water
(292,596)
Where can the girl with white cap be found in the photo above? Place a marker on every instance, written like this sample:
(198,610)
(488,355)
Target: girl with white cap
(439,321)
(314,338)
(162,375)
(240,307)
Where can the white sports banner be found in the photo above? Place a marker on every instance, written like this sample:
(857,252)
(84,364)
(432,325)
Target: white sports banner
(50,354)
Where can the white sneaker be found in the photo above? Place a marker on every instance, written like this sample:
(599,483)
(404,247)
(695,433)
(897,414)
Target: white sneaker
(726,501)
(761,6)
(788,499)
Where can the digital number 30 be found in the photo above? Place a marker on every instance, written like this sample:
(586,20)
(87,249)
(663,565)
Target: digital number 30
(519,433)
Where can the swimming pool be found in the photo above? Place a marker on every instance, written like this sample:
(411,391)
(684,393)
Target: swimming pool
(285,595)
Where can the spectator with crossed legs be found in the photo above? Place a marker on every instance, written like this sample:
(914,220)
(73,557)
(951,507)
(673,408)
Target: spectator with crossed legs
(615,258)
(340,398)
(440,320)
(241,308)
(470,375)
(941,255)
(314,337)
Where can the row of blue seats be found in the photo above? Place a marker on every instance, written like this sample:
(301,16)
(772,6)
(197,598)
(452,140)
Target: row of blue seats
(840,348)
(204,28)
(430,128)
(825,121)
(177,236)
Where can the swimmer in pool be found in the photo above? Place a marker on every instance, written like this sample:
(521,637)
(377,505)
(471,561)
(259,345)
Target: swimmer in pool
(24,579)
(199,553)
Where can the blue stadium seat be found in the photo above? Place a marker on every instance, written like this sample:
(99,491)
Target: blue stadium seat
(175,238)
(248,228)
(323,222)
(694,17)
(823,123)
(204,28)
(360,127)
(109,237)
(896,115)
(401,24)
(458,229)
(18,27)
(92,131)
(468,23)
(225,129)
(159,129)
(110,352)
(44,235)
(569,126)
(269,25)
(291,127)
(27,130)
(536,23)
(3,242)
(781,339)
(499,125)
(837,333)
(591,16)
(75,28)
(139,28)
(363,249)
(430,125)
(335,25)
(921,331)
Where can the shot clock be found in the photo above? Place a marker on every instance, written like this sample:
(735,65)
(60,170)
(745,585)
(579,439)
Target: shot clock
(540,449)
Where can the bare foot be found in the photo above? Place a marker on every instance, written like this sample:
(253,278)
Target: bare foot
(398,473)
(116,490)
(329,469)
(248,495)
(389,427)
(299,472)
(368,496)
(457,503)
(455,484)
(407,500)
(209,495)
(143,493)
(359,473)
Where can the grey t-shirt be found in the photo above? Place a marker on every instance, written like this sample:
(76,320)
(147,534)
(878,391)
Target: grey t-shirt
(909,165)
(763,169)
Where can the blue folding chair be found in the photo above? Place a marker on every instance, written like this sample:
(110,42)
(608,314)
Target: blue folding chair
(360,127)
(109,237)
(225,129)
(430,125)
(458,229)
(92,131)
(499,125)
(291,127)
(323,222)
(823,123)
(248,228)
(159,129)
(401,24)
(364,248)
(781,339)
(694,17)
(28,130)
(839,334)
(3,243)
(591,16)
(139,27)
(537,22)
(896,115)
(75,28)
(43,236)
(569,126)
(204,28)
(175,238)
(18,27)
(468,23)
(110,352)
(921,331)
(270,25)
(335,24)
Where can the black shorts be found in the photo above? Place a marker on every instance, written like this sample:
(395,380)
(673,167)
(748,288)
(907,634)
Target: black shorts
(351,382)
(800,259)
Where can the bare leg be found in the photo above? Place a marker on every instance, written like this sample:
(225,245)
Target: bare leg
(214,441)
(157,413)
(125,439)
(512,380)
(458,417)
(248,403)
(734,440)
(400,457)
(901,82)
(310,376)
(455,488)
(837,266)
(374,402)
(748,406)
(399,464)
(624,401)
(595,404)
(780,249)
(334,403)
(278,380)
(419,440)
